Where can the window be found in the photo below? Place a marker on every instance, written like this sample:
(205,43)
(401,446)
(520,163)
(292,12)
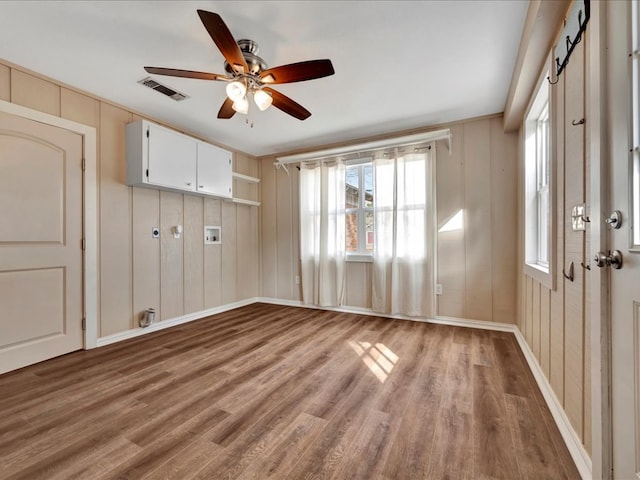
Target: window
(538,188)
(359,185)
(542,186)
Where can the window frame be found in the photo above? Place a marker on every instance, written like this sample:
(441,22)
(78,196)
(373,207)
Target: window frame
(361,255)
(539,125)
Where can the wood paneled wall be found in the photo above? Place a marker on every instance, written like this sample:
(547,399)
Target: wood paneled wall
(476,263)
(554,321)
(136,271)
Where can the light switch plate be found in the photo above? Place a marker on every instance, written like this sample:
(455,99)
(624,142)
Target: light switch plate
(578,216)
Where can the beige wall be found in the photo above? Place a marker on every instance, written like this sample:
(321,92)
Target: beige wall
(175,276)
(555,321)
(476,264)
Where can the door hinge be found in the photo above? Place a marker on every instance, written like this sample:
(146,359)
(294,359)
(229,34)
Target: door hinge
(229,161)
(84,164)
(84,324)
(147,133)
(84,244)
(147,173)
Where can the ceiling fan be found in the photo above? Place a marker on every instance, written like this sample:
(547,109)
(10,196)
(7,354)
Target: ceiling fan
(247,74)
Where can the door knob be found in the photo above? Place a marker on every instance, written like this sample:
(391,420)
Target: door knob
(614,259)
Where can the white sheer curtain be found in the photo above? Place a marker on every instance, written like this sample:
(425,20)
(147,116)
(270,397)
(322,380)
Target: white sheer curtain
(322,233)
(403,219)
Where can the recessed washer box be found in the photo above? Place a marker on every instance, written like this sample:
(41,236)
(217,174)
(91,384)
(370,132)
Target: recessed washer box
(212,235)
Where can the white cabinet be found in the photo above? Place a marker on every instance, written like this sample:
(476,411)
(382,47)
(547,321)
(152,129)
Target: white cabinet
(158,157)
(214,170)
(172,159)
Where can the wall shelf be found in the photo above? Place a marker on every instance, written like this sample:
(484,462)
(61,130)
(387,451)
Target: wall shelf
(245,178)
(253,181)
(245,202)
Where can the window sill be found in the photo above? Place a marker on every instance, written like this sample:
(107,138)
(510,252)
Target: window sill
(356,258)
(539,273)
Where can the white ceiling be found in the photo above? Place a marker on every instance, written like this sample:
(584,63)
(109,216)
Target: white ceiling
(399,64)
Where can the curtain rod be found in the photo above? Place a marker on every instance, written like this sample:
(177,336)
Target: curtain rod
(403,141)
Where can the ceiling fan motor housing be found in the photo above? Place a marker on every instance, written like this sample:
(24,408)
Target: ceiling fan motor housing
(249,50)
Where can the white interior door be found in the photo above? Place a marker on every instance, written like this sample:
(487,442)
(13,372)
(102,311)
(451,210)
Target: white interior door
(624,282)
(40,242)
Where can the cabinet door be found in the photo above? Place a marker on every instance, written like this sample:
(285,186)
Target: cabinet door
(214,170)
(172,159)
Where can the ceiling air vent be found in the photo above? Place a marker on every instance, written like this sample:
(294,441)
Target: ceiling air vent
(158,87)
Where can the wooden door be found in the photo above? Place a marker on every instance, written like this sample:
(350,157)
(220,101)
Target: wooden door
(40,242)
(624,282)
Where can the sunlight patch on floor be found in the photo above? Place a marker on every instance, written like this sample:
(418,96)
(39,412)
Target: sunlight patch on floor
(378,358)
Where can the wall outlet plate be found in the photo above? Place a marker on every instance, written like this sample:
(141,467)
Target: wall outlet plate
(438,289)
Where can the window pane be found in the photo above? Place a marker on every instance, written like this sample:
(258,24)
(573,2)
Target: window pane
(543,227)
(368,185)
(351,232)
(352,185)
(368,226)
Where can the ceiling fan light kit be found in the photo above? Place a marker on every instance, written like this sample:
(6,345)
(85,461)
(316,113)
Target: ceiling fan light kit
(248,74)
(236,90)
(263,99)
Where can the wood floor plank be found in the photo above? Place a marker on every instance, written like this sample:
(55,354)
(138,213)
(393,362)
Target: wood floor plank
(187,464)
(452,449)
(283,452)
(266,391)
(536,463)
(482,352)
(369,447)
(409,453)
(494,452)
(511,366)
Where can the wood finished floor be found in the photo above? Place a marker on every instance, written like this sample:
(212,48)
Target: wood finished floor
(277,392)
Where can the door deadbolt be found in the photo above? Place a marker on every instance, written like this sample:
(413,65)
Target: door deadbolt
(614,259)
(615,219)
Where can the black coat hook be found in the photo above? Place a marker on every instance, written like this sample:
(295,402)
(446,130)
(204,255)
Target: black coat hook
(570,275)
(579,122)
(586,267)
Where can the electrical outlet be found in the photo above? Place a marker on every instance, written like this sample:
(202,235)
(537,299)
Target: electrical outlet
(297,279)
(438,289)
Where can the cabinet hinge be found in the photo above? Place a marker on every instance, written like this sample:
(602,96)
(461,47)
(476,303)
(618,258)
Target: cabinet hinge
(147,133)
(84,164)
(84,244)
(147,173)
(84,324)
(229,161)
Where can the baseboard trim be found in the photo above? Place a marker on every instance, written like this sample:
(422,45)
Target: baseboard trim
(458,322)
(136,332)
(571,439)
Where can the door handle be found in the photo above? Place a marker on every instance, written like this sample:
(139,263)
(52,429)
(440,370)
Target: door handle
(614,259)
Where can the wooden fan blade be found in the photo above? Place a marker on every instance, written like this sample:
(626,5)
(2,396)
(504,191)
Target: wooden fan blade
(173,72)
(298,72)
(223,39)
(287,105)
(226,110)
